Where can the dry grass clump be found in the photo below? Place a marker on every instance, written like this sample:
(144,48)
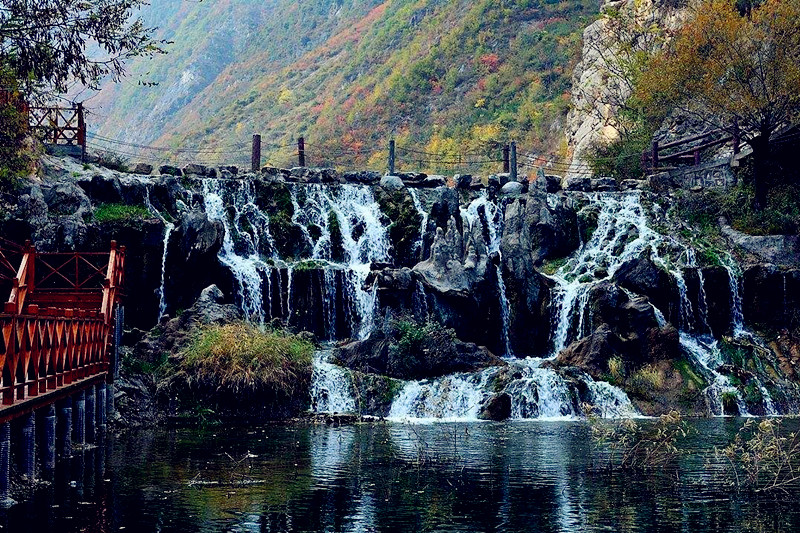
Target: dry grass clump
(242,358)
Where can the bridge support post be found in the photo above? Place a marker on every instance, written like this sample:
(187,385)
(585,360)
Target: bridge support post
(91,411)
(28,455)
(65,449)
(48,444)
(101,408)
(5,464)
(110,409)
(79,415)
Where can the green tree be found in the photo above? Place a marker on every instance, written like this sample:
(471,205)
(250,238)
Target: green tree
(49,44)
(733,68)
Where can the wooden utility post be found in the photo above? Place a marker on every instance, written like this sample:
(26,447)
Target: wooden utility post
(391,157)
(736,137)
(81,131)
(255,159)
(654,157)
(506,160)
(301,151)
(513,161)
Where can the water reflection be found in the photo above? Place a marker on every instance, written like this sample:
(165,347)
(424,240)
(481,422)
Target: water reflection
(525,476)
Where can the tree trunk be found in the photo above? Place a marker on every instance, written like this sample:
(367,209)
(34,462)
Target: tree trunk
(760,170)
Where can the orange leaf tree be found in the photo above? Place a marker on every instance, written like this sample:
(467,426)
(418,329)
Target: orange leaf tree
(733,68)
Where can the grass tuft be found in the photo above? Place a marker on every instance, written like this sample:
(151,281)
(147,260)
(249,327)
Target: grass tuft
(117,212)
(241,358)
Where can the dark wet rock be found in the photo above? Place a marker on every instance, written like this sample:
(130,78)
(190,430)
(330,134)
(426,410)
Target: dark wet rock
(193,247)
(513,188)
(771,296)
(497,408)
(362,177)
(643,276)
(102,189)
(604,185)
(578,183)
(431,182)
(233,170)
(168,170)
(463,181)
(143,169)
(431,352)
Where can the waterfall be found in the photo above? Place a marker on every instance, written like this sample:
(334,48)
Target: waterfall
(162,295)
(535,392)
(424,225)
(332,388)
(702,303)
(494,225)
(364,239)
(246,265)
(622,234)
(737,316)
(706,354)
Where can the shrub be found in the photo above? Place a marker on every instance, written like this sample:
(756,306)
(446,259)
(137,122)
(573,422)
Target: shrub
(648,378)
(616,368)
(641,446)
(241,358)
(15,159)
(120,212)
(761,459)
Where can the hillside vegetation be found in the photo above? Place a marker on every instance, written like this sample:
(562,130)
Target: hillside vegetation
(441,76)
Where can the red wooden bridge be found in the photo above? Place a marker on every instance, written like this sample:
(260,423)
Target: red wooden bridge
(58,325)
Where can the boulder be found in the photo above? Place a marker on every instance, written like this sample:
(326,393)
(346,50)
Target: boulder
(630,185)
(432,182)
(513,188)
(497,408)
(194,169)
(169,170)
(552,183)
(103,189)
(328,175)
(661,182)
(143,169)
(393,183)
(439,354)
(463,181)
(643,276)
(234,170)
(605,185)
(366,177)
(578,183)
(781,250)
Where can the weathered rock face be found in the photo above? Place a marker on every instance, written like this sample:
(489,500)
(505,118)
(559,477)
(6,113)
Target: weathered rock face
(597,90)
(712,300)
(624,328)
(781,250)
(401,354)
(643,276)
(771,297)
(193,247)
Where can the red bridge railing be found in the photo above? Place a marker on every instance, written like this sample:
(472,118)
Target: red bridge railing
(58,323)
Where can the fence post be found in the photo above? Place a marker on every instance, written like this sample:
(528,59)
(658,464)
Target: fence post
(391,157)
(654,157)
(513,162)
(736,137)
(301,151)
(82,132)
(506,161)
(255,159)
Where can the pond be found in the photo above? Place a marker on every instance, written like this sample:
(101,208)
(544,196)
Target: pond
(522,476)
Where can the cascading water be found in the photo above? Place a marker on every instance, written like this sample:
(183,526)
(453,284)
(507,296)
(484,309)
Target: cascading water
(331,386)
(423,213)
(352,210)
(494,224)
(597,260)
(246,264)
(162,294)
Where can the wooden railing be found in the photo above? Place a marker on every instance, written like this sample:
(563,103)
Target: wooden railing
(677,152)
(52,337)
(59,125)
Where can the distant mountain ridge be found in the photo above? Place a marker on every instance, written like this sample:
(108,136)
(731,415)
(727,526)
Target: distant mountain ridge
(447,77)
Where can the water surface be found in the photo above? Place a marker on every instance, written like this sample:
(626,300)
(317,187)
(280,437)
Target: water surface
(521,476)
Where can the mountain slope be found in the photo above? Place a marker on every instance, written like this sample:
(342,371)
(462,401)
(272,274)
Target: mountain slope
(444,76)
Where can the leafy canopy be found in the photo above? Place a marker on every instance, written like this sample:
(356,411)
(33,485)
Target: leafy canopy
(730,65)
(49,44)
